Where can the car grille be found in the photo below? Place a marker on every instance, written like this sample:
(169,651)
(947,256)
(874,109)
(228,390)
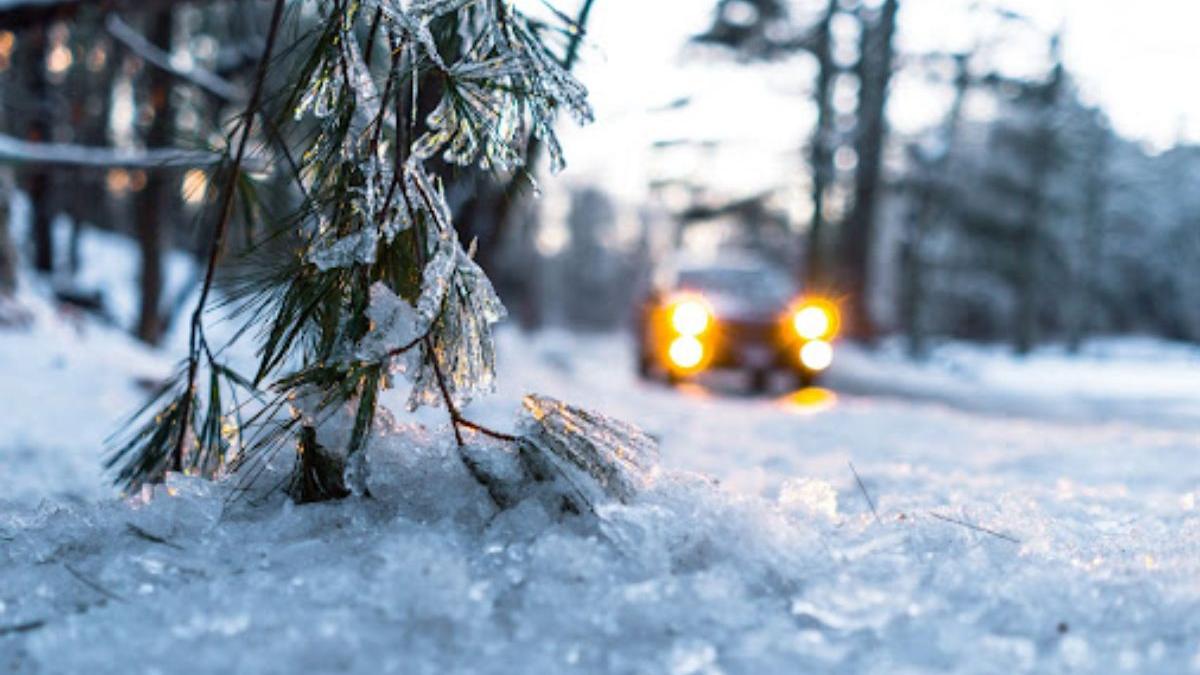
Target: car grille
(745,332)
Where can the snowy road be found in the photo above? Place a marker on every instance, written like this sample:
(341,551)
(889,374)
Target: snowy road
(998,542)
(753,443)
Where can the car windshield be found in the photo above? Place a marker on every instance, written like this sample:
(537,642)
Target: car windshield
(754,285)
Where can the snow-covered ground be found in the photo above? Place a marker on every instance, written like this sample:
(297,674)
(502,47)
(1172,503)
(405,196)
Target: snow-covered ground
(1014,515)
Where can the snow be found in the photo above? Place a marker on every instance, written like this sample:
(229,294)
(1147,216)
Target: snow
(1010,527)
(65,384)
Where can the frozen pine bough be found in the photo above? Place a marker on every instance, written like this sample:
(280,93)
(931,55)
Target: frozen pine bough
(385,100)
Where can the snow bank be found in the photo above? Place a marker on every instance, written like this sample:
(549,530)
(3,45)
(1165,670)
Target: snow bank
(66,382)
(1138,378)
(427,576)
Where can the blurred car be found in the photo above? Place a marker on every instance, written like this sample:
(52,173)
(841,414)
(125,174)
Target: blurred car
(743,315)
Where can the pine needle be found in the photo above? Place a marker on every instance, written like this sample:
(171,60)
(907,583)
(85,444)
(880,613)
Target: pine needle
(977,528)
(866,495)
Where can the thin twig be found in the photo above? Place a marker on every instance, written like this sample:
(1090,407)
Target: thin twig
(866,495)
(977,528)
(475,426)
(456,417)
(225,210)
(445,390)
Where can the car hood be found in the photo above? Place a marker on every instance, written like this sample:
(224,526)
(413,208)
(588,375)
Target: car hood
(743,310)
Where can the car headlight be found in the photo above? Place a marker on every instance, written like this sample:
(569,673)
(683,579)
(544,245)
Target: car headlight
(690,317)
(815,320)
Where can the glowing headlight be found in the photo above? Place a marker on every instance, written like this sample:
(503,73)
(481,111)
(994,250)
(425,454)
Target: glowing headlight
(812,322)
(690,317)
(686,351)
(816,355)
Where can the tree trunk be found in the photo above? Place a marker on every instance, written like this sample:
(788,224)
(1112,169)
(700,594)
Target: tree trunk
(37,130)
(157,197)
(89,111)
(874,73)
(8,252)
(820,152)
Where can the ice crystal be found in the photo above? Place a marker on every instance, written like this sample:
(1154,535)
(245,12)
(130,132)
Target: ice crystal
(589,449)
(357,248)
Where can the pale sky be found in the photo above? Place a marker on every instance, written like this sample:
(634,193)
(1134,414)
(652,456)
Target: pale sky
(1136,58)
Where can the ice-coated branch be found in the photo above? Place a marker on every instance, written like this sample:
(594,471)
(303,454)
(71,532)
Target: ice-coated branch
(17,151)
(205,79)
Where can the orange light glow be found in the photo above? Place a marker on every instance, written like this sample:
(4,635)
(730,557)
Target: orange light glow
(59,59)
(809,400)
(118,181)
(195,185)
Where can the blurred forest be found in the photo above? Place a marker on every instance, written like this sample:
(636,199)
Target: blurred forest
(1033,223)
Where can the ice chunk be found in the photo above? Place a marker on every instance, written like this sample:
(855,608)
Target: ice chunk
(395,324)
(590,449)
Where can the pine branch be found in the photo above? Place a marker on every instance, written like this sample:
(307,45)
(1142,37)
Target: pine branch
(225,210)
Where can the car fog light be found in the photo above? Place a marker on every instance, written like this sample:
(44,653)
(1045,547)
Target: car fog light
(686,351)
(816,355)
